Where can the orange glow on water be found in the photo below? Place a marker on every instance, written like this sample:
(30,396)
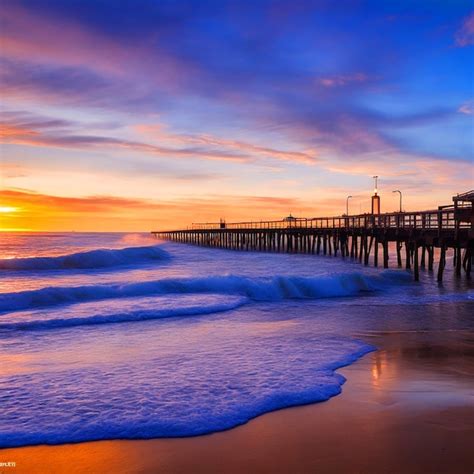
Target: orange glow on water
(379,368)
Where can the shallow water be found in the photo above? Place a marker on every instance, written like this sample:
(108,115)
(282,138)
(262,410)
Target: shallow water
(165,339)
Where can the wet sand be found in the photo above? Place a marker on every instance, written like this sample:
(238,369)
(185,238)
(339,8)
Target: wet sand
(409,407)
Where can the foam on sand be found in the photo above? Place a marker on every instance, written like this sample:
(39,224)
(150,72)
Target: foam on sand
(190,386)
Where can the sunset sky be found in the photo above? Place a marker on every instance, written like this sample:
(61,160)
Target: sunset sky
(141,115)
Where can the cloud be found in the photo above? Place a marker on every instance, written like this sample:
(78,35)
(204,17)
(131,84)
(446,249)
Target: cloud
(25,119)
(30,33)
(20,135)
(257,71)
(73,205)
(12,170)
(19,130)
(465,35)
(159,132)
(39,211)
(421,175)
(342,80)
(467,108)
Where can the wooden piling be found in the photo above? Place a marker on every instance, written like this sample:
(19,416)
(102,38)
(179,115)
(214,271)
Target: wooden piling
(385,253)
(457,261)
(376,253)
(407,255)
(442,263)
(416,269)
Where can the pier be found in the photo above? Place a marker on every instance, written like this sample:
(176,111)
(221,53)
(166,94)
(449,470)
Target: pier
(364,238)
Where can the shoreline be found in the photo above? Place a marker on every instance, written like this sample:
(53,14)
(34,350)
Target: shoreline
(405,408)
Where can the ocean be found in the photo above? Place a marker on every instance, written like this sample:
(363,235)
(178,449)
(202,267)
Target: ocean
(120,336)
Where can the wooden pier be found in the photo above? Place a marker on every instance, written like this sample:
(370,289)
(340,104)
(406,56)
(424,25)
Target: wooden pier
(415,235)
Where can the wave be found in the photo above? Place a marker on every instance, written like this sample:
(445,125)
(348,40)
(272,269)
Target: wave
(99,258)
(152,308)
(172,387)
(258,289)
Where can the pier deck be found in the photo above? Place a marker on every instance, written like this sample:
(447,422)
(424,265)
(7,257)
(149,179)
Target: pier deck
(358,237)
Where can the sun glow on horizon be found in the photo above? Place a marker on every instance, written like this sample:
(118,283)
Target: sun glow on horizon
(9,209)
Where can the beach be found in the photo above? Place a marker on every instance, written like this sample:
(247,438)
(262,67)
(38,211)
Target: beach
(161,357)
(236,237)
(408,407)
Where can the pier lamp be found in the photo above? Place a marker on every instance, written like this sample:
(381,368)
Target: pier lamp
(399,192)
(347,205)
(375,199)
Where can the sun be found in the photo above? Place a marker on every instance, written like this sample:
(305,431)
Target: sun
(8,209)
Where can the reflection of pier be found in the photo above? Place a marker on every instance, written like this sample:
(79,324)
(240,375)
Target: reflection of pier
(357,237)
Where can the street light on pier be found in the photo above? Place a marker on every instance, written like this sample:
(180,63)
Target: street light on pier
(347,205)
(399,192)
(375,198)
(375,188)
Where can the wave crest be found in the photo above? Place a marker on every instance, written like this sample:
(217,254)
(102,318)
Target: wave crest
(258,289)
(100,258)
(121,311)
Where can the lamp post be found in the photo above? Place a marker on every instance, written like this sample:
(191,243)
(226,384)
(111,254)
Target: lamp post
(399,192)
(347,205)
(375,178)
(375,198)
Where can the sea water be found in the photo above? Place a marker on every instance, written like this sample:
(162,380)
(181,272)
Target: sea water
(106,336)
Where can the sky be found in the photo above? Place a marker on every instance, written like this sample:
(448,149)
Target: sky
(153,114)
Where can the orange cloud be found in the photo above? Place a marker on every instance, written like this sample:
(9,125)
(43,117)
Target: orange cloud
(9,133)
(28,210)
(42,212)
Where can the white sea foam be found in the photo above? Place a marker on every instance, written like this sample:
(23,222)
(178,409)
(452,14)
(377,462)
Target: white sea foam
(197,385)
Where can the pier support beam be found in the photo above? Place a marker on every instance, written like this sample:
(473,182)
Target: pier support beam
(399,253)
(416,269)
(442,263)
(407,255)
(385,254)
(457,261)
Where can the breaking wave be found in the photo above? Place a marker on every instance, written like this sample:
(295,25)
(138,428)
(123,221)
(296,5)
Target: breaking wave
(258,289)
(100,258)
(122,310)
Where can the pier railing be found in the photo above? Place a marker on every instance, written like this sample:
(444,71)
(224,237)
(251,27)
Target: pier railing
(357,237)
(442,219)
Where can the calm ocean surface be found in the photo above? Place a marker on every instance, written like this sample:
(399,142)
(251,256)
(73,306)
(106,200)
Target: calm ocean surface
(106,336)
